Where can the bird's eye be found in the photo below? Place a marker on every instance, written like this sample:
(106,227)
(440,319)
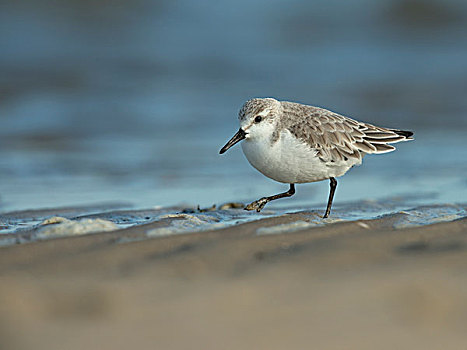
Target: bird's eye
(258,119)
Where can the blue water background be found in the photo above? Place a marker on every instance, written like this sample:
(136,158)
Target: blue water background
(130,101)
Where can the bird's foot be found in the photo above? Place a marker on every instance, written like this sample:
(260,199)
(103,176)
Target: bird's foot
(257,205)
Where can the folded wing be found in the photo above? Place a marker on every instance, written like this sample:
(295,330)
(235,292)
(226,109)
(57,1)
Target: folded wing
(338,138)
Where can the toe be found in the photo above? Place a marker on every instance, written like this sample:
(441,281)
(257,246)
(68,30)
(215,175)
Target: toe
(251,206)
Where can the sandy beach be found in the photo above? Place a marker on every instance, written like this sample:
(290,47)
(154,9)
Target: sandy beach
(349,285)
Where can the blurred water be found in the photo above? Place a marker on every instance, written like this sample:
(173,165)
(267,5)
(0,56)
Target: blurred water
(131,100)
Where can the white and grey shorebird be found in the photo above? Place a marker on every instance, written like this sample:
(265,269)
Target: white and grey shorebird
(295,143)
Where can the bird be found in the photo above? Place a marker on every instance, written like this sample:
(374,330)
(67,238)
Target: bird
(294,143)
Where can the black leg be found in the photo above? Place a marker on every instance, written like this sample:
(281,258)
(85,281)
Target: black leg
(260,203)
(333,185)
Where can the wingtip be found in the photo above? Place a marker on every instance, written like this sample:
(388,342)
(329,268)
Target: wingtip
(407,134)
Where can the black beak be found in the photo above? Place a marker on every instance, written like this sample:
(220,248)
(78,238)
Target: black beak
(239,136)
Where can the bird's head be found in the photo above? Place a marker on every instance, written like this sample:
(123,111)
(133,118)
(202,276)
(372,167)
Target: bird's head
(258,118)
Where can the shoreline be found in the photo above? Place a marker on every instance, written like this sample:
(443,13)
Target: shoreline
(357,284)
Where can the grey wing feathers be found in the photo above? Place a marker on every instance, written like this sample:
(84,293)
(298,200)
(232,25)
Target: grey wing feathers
(338,138)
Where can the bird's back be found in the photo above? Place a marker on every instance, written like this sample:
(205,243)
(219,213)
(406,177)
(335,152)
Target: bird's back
(336,137)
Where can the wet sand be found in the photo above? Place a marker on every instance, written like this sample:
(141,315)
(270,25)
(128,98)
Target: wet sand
(349,285)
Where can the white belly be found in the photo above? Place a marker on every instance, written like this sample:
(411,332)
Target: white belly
(290,160)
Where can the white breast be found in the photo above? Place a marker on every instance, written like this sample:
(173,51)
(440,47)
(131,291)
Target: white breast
(290,160)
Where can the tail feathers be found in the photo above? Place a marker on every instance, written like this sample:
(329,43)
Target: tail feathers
(378,140)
